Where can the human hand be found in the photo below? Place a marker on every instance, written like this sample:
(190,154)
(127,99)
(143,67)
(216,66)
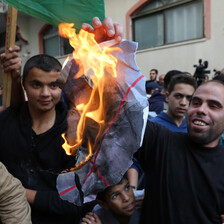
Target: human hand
(139,197)
(222,219)
(2,108)
(12,62)
(30,195)
(91,218)
(138,202)
(106,31)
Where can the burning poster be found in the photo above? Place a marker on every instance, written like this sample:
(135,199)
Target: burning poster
(107,116)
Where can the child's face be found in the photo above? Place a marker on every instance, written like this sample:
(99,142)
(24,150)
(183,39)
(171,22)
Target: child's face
(120,199)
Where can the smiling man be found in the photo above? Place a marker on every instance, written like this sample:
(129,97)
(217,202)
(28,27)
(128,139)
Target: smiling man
(30,134)
(205,116)
(31,142)
(185,171)
(179,93)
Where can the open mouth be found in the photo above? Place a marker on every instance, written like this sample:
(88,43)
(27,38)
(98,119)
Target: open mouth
(130,207)
(199,123)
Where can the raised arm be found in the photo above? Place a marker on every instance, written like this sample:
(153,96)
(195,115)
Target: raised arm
(104,31)
(12,63)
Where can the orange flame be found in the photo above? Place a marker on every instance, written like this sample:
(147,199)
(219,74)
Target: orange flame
(99,65)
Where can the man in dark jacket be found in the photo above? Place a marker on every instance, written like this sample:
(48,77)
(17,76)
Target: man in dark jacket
(185,172)
(30,135)
(31,142)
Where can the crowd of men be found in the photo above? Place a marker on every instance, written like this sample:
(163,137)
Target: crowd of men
(180,155)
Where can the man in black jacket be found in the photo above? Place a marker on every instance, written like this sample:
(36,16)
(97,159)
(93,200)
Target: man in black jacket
(30,135)
(185,172)
(31,142)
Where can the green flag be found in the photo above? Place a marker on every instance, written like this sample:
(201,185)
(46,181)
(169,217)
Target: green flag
(58,11)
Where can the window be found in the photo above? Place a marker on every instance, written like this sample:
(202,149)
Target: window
(53,44)
(163,22)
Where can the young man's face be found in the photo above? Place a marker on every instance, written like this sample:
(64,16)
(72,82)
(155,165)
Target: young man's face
(178,100)
(120,199)
(205,116)
(42,90)
(153,75)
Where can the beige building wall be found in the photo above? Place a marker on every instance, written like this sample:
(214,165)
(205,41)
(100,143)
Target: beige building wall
(29,28)
(181,56)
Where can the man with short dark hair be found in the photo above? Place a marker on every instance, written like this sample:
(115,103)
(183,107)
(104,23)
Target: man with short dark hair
(180,90)
(168,77)
(185,172)
(31,142)
(30,135)
(153,75)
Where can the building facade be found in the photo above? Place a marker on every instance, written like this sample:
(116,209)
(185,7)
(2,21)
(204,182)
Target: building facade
(171,34)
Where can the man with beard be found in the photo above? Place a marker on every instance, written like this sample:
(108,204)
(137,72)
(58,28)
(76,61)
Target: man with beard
(153,75)
(185,172)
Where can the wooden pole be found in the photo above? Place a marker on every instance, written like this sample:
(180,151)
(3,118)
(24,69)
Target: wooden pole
(9,42)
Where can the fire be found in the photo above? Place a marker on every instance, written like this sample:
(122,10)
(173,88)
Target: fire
(100,68)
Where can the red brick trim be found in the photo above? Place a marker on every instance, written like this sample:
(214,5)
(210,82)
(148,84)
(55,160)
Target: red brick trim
(207,20)
(132,11)
(41,33)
